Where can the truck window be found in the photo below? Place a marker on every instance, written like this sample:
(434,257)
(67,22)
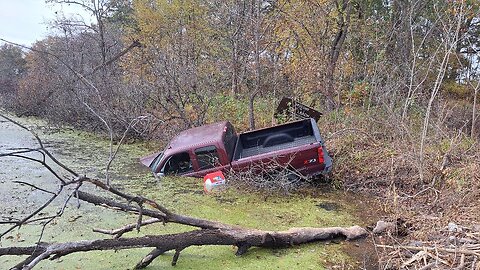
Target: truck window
(177,164)
(207,157)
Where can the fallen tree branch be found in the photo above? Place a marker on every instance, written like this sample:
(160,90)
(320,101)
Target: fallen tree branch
(166,217)
(180,241)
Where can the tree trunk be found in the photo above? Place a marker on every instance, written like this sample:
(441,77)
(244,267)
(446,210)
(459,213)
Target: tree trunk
(234,67)
(251,112)
(344,22)
(256,44)
(242,238)
(474,111)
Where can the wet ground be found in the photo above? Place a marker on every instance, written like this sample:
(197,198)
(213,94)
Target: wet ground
(87,154)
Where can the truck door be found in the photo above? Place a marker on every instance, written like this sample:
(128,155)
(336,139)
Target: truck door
(208,160)
(177,164)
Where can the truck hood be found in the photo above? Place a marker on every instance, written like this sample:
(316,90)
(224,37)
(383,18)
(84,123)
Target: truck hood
(147,160)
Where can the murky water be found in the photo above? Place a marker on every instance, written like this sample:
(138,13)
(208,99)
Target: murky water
(88,154)
(15,197)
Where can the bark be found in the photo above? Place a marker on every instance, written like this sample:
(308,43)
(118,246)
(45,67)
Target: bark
(234,69)
(344,22)
(474,111)
(165,216)
(242,238)
(256,41)
(251,112)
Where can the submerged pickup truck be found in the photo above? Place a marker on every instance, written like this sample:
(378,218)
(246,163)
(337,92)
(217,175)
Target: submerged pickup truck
(201,150)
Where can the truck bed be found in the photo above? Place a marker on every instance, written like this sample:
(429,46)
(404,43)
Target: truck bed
(274,139)
(257,150)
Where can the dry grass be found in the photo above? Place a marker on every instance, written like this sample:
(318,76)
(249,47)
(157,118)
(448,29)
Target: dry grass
(377,154)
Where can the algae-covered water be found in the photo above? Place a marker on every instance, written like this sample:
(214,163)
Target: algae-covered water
(88,154)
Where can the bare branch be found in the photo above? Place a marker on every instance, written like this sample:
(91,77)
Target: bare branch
(33,186)
(128,228)
(180,241)
(40,143)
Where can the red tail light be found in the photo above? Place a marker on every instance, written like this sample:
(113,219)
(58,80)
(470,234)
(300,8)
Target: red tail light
(321,160)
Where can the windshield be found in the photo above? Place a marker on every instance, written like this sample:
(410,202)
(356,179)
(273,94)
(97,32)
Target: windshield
(155,162)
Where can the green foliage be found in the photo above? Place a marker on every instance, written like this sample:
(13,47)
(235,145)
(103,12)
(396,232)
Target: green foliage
(122,14)
(235,109)
(457,90)
(12,69)
(12,61)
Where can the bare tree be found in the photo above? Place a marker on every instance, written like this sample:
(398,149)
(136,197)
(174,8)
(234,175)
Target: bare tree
(414,86)
(256,28)
(451,30)
(344,10)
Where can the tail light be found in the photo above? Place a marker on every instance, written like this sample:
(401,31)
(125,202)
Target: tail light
(321,159)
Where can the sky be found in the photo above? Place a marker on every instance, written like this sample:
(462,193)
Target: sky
(26,21)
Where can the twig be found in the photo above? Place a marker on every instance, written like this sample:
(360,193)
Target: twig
(40,143)
(130,227)
(449,250)
(175,256)
(34,213)
(33,186)
(44,164)
(428,266)
(120,143)
(462,263)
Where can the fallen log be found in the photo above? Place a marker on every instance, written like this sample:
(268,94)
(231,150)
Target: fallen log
(242,238)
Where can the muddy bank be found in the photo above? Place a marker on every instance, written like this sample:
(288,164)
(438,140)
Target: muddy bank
(87,154)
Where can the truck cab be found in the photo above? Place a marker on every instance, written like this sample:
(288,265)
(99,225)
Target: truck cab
(201,149)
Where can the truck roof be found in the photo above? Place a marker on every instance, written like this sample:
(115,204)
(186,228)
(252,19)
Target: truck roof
(198,136)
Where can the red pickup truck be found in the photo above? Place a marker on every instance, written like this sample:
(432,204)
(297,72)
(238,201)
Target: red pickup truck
(198,151)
